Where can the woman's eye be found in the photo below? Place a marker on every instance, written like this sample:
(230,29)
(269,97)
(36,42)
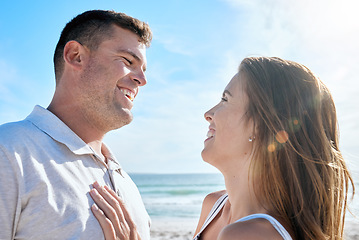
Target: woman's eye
(223,99)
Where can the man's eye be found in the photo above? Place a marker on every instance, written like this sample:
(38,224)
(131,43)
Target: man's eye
(223,99)
(127,60)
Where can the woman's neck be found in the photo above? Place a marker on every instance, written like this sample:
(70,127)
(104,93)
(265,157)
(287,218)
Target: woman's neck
(241,197)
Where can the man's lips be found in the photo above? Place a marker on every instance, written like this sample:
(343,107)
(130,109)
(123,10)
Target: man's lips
(130,94)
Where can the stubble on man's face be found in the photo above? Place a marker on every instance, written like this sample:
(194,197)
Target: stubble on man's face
(98,98)
(110,80)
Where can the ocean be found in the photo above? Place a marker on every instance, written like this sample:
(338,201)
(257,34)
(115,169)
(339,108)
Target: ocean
(181,195)
(176,195)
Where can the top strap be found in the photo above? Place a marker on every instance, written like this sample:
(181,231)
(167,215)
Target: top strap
(279,227)
(217,207)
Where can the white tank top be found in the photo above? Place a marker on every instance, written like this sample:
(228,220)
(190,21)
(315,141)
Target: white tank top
(217,207)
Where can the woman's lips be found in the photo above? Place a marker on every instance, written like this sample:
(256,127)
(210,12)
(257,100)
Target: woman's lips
(210,134)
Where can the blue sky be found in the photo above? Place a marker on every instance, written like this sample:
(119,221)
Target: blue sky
(196,49)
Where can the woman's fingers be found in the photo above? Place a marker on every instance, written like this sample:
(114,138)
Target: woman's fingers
(105,223)
(123,207)
(112,207)
(106,208)
(112,214)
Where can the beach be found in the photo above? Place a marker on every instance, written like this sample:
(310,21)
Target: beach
(352,230)
(174,229)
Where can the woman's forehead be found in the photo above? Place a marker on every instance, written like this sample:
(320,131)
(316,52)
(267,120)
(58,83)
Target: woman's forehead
(236,85)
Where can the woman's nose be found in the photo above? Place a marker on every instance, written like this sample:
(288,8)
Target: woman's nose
(208,116)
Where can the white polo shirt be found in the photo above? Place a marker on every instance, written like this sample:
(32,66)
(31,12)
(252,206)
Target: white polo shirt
(46,173)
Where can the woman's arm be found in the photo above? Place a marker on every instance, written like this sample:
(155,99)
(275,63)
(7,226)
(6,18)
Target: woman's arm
(111,212)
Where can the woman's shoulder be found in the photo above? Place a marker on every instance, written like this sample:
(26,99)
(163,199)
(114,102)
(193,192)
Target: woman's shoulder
(207,205)
(211,198)
(252,229)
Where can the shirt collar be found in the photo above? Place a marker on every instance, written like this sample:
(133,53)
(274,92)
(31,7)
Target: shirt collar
(50,124)
(111,160)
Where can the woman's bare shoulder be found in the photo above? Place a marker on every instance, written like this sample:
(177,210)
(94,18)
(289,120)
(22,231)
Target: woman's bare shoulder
(259,229)
(211,198)
(207,205)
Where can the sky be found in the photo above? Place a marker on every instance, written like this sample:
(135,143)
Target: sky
(196,49)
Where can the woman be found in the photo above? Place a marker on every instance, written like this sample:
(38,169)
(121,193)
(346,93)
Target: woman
(274,138)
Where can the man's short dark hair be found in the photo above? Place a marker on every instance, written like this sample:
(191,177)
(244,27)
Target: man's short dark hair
(92,27)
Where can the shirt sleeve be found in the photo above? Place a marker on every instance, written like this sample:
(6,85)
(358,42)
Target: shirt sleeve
(10,205)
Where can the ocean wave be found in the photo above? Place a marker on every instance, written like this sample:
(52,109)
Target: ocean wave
(174,192)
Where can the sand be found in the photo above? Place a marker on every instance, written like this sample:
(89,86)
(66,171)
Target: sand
(351,229)
(172,228)
(183,229)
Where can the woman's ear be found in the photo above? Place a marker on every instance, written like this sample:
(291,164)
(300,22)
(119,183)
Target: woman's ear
(74,54)
(253,128)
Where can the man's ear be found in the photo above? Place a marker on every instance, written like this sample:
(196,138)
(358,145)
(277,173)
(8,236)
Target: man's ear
(74,54)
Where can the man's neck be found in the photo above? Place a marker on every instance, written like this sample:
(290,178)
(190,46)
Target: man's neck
(78,124)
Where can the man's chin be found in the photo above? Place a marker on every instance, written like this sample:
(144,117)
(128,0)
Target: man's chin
(124,119)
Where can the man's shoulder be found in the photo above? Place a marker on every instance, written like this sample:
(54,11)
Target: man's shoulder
(16,131)
(24,127)
(13,127)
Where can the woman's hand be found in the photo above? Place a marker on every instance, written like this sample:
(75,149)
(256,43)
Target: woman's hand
(111,213)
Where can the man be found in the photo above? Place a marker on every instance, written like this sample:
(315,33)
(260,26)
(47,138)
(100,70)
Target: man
(49,161)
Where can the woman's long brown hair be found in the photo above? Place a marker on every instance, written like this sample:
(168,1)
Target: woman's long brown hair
(300,173)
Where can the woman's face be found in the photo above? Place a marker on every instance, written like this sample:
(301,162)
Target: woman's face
(229,129)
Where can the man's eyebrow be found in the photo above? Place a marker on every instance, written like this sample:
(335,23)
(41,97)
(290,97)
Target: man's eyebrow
(227,92)
(134,55)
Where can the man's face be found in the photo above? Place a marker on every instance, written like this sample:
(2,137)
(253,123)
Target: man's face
(111,79)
